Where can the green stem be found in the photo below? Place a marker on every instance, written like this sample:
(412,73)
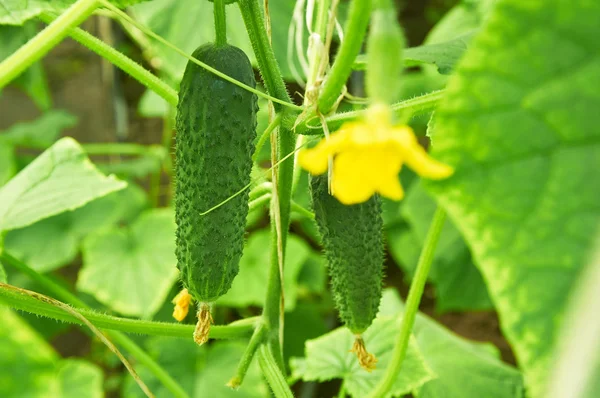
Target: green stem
(315,56)
(302,211)
(354,30)
(272,373)
(23,302)
(259,202)
(260,190)
(269,68)
(279,208)
(26,302)
(121,61)
(120,14)
(119,148)
(342,392)
(30,304)
(412,304)
(45,40)
(310,125)
(220,23)
(265,135)
(257,339)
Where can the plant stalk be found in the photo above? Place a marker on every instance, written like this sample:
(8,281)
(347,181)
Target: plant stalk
(273,373)
(121,61)
(355,30)
(311,125)
(412,304)
(269,68)
(220,22)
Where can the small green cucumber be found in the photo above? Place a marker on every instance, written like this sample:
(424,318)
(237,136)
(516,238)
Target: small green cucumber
(353,241)
(216,129)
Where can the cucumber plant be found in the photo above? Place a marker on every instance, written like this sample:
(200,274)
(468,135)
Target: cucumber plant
(510,154)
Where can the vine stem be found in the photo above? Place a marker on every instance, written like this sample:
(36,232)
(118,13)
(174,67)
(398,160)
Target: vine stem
(45,40)
(269,68)
(414,106)
(220,23)
(412,304)
(273,373)
(18,300)
(355,29)
(121,61)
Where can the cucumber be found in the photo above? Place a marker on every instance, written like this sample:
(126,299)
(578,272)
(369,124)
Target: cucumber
(216,129)
(353,241)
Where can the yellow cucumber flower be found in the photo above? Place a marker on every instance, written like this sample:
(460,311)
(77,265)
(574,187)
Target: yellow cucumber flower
(182,305)
(367,157)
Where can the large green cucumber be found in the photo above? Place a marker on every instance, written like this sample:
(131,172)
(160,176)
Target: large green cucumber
(353,241)
(216,128)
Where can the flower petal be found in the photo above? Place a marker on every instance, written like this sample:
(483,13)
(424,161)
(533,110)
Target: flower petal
(415,156)
(315,160)
(350,183)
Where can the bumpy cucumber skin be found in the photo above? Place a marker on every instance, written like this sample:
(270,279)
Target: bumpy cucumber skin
(353,241)
(216,129)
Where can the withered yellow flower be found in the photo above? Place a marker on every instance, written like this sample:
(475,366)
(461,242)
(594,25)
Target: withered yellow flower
(367,157)
(182,305)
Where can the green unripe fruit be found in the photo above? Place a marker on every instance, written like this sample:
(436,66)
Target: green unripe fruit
(353,241)
(216,129)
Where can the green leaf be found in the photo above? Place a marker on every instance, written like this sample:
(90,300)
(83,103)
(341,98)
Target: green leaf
(443,55)
(62,178)
(519,124)
(463,368)
(303,323)
(55,241)
(131,269)
(201,371)
(249,286)
(313,275)
(328,357)
(138,167)
(8,166)
(33,80)
(41,132)
(79,379)
(458,283)
(31,368)
(16,12)
(2,274)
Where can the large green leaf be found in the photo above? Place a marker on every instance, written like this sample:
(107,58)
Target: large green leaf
(16,12)
(201,371)
(41,132)
(443,55)
(464,369)
(328,357)
(249,286)
(33,80)
(458,283)
(60,179)
(8,166)
(32,369)
(520,125)
(55,241)
(131,269)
